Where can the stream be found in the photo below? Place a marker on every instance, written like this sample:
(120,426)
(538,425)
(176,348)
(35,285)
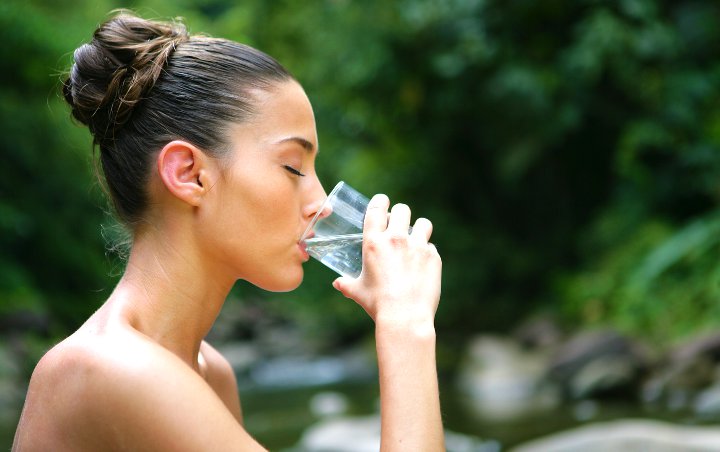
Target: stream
(278,417)
(497,400)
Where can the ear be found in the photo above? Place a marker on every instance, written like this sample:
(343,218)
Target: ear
(184,171)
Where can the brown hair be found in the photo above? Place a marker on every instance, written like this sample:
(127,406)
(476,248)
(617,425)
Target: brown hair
(140,84)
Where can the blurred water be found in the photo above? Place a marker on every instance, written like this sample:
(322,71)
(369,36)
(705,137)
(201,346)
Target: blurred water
(278,415)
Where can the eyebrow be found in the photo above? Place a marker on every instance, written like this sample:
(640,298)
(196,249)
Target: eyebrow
(308,146)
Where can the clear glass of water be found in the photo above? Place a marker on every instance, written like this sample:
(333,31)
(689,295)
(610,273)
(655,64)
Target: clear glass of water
(334,236)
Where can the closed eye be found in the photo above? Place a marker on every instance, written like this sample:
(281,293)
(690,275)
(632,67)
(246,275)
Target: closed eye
(294,171)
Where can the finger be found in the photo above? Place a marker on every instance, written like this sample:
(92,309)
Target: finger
(348,287)
(376,214)
(343,284)
(434,248)
(399,219)
(422,229)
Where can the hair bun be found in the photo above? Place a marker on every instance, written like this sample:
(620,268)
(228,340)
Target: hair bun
(113,72)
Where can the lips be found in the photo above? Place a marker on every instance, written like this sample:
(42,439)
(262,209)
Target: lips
(303,251)
(303,247)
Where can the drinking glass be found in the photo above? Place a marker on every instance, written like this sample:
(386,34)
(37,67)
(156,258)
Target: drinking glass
(334,236)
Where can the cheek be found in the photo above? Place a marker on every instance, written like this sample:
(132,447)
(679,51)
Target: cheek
(255,202)
(261,210)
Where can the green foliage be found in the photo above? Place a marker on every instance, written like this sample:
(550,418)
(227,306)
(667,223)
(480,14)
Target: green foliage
(52,258)
(566,151)
(517,126)
(654,279)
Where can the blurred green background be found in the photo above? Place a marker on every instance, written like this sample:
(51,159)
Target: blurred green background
(568,153)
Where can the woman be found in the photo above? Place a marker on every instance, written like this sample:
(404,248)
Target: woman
(208,150)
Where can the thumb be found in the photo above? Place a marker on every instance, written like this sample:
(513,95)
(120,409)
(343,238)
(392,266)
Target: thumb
(344,285)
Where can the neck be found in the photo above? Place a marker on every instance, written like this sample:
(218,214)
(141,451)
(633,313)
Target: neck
(170,293)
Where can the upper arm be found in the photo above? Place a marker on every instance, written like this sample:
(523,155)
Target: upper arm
(221,377)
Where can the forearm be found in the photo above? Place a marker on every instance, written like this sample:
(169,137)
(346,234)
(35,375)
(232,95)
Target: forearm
(409,395)
(399,287)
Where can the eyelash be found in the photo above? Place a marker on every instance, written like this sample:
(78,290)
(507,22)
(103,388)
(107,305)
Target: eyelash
(294,171)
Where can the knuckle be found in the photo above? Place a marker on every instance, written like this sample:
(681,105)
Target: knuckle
(429,253)
(371,242)
(398,239)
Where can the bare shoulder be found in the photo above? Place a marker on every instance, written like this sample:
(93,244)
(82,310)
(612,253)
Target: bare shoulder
(221,377)
(121,392)
(216,362)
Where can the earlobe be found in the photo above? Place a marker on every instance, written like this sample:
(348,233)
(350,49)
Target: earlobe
(181,167)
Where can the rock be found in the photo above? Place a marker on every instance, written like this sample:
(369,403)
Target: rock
(362,434)
(303,370)
(708,346)
(298,371)
(502,381)
(689,369)
(456,442)
(628,436)
(284,340)
(601,375)
(328,404)
(539,333)
(241,355)
(707,403)
(239,320)
(359,434)
(598,363)
(678,399)
(585,410)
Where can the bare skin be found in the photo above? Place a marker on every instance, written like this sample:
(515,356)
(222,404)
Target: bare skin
(138,375)
(399,287)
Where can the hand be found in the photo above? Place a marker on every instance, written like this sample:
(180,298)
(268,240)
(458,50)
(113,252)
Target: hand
(400,281)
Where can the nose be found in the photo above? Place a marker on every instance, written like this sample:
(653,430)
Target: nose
(316,197)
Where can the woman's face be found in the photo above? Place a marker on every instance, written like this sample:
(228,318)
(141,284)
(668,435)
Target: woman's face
(268,192)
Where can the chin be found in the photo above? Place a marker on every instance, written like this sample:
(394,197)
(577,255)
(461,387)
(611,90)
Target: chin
(284,281)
